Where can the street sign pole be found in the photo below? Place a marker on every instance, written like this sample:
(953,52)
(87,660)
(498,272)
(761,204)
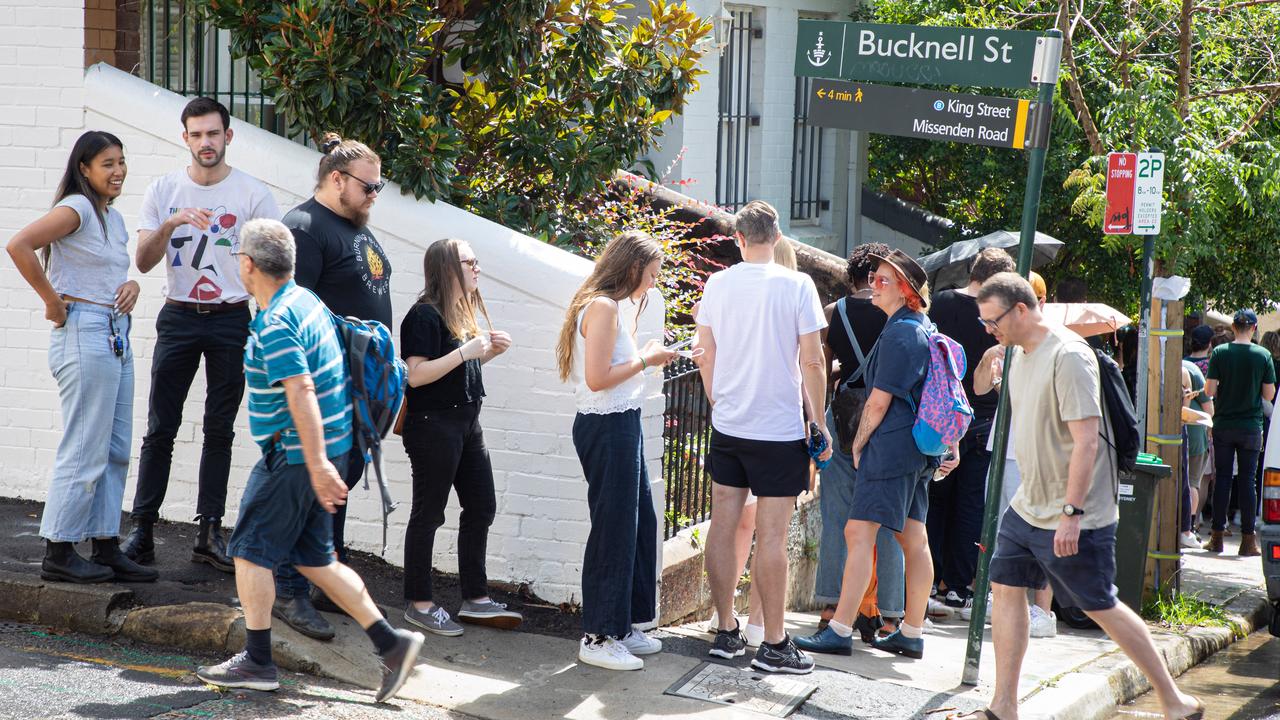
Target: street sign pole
(1047,79)
(1147,204)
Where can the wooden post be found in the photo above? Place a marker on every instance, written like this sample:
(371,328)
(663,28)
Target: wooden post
(1154,397)
(1169,498)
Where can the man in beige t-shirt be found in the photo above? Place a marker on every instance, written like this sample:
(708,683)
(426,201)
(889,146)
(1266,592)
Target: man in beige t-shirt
(1060,527)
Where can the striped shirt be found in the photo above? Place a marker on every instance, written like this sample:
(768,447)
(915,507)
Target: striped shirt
(295,336)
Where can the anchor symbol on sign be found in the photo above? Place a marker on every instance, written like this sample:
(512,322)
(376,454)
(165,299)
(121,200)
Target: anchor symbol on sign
(819,56)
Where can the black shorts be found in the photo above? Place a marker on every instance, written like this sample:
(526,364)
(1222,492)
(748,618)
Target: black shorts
(1024,558)
(770,468)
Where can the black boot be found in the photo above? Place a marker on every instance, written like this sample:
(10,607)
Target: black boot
(140,546)
(62,562)
(211,547)
(106,552)
(299,614)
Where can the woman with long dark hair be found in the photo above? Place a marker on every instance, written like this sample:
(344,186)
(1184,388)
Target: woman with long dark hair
(444,347)
(83,281)
(597,353)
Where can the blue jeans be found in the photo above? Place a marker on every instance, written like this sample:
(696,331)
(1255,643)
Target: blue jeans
(837,494)
(95,387)
(619,569)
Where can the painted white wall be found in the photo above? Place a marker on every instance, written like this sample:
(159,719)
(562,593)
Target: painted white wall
(47,99)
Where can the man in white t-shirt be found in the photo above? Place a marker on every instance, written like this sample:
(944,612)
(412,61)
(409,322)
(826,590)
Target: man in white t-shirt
(760,325)
(190,220)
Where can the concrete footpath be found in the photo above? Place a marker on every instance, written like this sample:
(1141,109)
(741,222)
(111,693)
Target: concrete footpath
(535,674)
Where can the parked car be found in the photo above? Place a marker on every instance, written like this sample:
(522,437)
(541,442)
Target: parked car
(1269,523)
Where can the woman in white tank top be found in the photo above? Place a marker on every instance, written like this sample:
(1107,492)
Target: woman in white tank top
(597,353)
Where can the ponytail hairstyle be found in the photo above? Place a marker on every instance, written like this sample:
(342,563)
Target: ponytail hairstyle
(74,182)
(618,272)
(444,279)
(339,154)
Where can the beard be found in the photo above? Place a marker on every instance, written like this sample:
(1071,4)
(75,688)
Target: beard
(354,211)
(218,155)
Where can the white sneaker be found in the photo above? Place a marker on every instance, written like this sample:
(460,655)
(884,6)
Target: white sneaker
(754,634)
(928,626)
(640,644)
(966,613)
(1189,540)
(609,654)
(1043,624)
(939,609)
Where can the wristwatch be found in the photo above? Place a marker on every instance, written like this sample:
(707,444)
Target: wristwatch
(1071,510)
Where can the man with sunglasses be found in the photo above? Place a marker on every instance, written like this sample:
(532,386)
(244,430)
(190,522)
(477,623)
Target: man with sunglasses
(191,220)
(340,260)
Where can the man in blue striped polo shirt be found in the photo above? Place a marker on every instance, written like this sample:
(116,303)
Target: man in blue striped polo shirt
(300,415)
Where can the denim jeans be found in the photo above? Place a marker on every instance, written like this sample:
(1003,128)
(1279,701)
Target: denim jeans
(289,582)
(619,569)
(837,493)
(182,337)
(446,451)
(1242,447)
(96,391)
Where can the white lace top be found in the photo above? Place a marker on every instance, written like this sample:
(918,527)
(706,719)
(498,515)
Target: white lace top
(627,395)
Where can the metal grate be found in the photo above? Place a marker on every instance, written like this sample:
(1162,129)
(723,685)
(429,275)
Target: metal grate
(686,436)
(733,136)
(182,54)
(806,160)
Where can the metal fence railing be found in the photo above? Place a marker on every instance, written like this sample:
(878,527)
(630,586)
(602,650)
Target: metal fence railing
(686,435)
(806,159)
(734,118)
(182,54)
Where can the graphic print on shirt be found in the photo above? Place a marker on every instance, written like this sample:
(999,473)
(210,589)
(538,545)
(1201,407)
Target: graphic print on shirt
(374,261)
(223,233)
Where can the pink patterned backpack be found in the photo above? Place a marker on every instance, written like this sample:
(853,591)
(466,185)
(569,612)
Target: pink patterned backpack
(944,413)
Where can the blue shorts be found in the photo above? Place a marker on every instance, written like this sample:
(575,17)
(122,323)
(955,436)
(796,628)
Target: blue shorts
(1024,558)
(891,502)
(280,519)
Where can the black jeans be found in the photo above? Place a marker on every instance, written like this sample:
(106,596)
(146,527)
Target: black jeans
(289,582)
(1243,446)
(446,450)
(182,337)
(619,570)
(956,505)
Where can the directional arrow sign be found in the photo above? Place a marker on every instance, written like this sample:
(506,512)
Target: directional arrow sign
(928,114)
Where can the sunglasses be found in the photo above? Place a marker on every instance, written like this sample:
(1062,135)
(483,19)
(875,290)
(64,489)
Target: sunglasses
(995,324)
(369,188)
(873,280)
(473,263)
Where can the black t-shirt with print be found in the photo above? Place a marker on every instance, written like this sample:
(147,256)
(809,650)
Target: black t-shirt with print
(424,334)
(341,263)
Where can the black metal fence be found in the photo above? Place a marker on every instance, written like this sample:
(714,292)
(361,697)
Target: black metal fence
(686,434)
(806,159)
(189,57)
(734,118)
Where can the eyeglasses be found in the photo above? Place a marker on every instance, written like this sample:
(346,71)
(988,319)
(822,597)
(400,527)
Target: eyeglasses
(473,263)
(995,324)
(369,188)
(874,280)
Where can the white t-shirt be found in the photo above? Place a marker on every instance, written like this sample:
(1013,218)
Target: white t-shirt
(199,265)
(757,313)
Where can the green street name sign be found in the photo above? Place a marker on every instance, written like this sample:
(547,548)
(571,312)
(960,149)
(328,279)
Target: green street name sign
(927,114)
(917,54)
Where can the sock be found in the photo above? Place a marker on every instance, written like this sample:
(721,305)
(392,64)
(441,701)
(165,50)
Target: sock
(840,628)
(383,637)
(258,643)
(911,631)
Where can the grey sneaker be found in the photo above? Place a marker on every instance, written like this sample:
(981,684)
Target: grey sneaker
(241,672)
(436,620)
(397,664)
(488,612)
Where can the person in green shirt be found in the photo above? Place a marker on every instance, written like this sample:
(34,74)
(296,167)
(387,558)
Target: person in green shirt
(1241,375)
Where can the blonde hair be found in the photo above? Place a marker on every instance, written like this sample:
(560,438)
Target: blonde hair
(1037,286)
(339,154)
(444,278)
(617,273)
(784,254)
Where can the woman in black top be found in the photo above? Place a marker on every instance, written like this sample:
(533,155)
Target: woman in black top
(444,349)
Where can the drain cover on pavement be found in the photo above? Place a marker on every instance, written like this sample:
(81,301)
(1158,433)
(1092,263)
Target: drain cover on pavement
(769,694)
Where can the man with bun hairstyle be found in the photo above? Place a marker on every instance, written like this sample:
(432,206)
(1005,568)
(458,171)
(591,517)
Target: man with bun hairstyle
(341,261)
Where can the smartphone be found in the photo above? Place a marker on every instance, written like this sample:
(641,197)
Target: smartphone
(680,345)
(817,445)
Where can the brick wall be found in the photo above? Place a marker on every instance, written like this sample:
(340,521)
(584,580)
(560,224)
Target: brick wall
(100,28)
(541,525)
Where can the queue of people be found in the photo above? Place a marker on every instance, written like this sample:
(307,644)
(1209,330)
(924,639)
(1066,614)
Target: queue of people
(900,524)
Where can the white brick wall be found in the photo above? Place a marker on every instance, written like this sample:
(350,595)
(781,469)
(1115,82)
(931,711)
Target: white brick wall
(541,527)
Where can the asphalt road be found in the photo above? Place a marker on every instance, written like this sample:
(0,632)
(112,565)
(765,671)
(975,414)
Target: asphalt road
(46,675)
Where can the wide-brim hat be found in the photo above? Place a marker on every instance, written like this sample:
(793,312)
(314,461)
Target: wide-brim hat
(906,266)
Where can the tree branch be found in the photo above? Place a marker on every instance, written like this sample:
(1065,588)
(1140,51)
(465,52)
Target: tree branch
(1078,102)
(1183,103)
(1224,9)
(1260,87)
(1239,133)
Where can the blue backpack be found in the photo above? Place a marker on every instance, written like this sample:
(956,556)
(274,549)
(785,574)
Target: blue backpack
(376,379)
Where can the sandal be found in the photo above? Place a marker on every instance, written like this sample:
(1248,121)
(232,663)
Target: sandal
(1198,713)
(988,715)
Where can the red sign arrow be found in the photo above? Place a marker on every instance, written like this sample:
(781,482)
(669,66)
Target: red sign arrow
(1122,172)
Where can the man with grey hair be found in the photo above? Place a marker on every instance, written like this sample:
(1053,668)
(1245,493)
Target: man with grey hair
(754,320)
(300,416)
(1060,527)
